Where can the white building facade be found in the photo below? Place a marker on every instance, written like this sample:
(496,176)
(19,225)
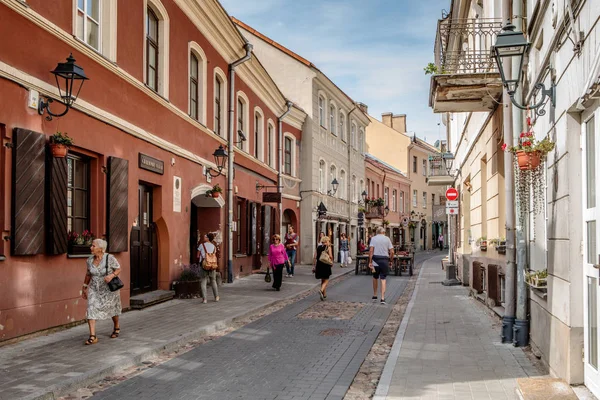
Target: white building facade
(333,144)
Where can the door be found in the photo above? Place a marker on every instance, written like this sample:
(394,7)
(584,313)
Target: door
(144,249)
(591,235)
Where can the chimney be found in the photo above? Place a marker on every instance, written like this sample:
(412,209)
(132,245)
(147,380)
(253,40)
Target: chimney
(399,123)
(363,107)
(386,119)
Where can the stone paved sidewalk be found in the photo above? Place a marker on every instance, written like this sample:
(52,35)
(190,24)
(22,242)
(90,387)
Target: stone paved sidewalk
(448,347)
(46,366)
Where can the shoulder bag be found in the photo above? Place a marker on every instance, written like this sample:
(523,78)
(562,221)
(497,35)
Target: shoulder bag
(115,283)
(268,276)
(324,257)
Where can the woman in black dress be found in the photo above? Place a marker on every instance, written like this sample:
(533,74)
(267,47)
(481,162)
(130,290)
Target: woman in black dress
(322,269)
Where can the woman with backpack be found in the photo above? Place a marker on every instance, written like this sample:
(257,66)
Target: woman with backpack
(209,260)
(278,258)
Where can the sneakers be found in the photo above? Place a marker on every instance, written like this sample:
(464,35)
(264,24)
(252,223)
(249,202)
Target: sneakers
(383,301)
(291,275)
(204,301)
(287,275)
(374,298)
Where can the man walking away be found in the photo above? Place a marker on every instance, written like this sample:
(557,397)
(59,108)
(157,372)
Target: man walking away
(441,241)
(291,243)
(381,251)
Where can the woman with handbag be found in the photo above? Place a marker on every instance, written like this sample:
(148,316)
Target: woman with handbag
(277,258)
(322,262)
(102,269)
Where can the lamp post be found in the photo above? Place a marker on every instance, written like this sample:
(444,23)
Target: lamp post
(220,156)
(334,187)
(72,75)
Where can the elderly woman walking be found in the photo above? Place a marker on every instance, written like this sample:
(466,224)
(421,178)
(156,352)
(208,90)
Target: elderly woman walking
(277,258)
(102,303)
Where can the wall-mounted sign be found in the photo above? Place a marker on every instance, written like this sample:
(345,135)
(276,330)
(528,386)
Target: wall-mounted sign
(176,194)
(151,164)
(452,211)
(271,197)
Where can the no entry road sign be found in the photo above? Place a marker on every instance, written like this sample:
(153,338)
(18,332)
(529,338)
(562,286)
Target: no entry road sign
(451,194)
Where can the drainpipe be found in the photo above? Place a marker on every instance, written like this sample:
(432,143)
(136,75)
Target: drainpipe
(521,327)
(289,105)
(230,149)
(349,176)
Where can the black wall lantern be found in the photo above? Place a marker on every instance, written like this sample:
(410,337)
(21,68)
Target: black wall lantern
(334,187)
(513,45)
(448,159)
(69,77)
(220,156)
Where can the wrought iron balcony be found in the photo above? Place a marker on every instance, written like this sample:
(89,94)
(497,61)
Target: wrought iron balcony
(466,76)
(440,172)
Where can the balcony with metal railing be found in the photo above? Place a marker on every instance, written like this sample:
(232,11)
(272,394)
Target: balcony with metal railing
(465,75)
(439,171)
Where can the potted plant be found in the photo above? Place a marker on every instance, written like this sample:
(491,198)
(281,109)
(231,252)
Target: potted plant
(482,241)
(537,279)
(188,284)
(79,244)
(214,192)
(59,144)
(530,152)
(501,246)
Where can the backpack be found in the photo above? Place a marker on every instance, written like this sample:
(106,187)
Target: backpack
(209,263)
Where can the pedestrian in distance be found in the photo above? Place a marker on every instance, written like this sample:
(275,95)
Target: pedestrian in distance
(208,256)
(277,258)
(322,264)
(441,241)
(101,302)
(344,251)
(291,245)
(361,246)
(381,251)
(321,234)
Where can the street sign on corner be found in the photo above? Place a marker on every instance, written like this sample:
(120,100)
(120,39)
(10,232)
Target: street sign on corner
(452,194)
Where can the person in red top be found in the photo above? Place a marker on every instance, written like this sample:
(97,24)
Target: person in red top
(291,245)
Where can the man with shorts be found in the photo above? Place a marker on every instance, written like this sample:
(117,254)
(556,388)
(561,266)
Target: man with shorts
(381,251)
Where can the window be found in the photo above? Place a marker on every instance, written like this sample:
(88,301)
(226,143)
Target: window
(194,86)
(414,164)
(332,176)
(361,188)
(218,105)
(152,50)
(78,194)
(322,111)
(270,144)
(287,167)
(332,124)
(432,199)
(353,189)
(342,130)
(394,198)
(424,168)
(88,22)
(241,112)
(257,132)
(238,226)
(424,199)
(386,196)
(502,289)
(353,135)
(322,176)
(342,185)
(401,209)
(361,140)
(414,202)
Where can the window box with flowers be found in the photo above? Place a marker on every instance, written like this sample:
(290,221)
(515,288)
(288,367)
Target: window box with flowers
(79,244)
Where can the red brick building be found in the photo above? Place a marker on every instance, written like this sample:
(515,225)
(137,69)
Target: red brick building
(393,187)
(145,126)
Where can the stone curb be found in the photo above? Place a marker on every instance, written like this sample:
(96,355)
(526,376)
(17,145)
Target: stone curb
(74,383)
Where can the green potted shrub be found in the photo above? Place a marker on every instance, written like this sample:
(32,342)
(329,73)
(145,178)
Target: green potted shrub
(501,246)
(59,144)
(482,243)
(537,279)
(188,284)
(215,191)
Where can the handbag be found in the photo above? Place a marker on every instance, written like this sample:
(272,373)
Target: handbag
(115,283)
(268,276)
(324,257)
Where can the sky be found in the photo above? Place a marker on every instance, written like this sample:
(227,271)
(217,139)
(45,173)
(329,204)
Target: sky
(374,50)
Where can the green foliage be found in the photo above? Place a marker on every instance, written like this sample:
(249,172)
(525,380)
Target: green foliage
(61,138)
(189,273)
(431,69)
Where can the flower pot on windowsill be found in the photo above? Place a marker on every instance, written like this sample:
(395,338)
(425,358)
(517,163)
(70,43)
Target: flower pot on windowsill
(528,160)
(79,249)
(58,150)
(483,245)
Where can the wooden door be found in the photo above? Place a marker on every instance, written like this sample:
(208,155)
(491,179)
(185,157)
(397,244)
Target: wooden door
(144,249)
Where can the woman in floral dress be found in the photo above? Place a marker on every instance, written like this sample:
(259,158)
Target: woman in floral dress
(102,303)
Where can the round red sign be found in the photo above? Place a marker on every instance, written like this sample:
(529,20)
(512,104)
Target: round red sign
(451,194)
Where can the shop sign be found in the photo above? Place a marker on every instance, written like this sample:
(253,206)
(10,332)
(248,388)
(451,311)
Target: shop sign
(271,197)
(151,164)
(176,194)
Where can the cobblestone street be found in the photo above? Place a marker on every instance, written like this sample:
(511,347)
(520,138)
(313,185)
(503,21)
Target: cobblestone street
(307,350)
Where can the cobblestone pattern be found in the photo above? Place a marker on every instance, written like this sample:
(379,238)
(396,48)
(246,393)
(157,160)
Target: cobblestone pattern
(279,356)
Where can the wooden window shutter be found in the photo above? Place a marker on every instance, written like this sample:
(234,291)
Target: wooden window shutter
(493,287)
(266,225)
(117,202)
(56,208)
(28,192)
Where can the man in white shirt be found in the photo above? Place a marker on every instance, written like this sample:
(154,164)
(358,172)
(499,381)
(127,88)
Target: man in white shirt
(381,251)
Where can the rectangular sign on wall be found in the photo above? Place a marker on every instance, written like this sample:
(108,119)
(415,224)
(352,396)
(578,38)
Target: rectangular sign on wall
(271,197)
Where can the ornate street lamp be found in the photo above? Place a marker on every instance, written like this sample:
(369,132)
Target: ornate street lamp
(512,45)
(448,159)
(220,156)
(334,187)
(73,77)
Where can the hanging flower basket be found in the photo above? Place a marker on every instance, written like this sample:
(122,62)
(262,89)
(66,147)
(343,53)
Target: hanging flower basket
(59,144)
(58,150)
(528,160)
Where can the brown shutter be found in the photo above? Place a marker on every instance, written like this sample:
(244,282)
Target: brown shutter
(266,226)
(117,202)
(28,192)
(56,210)
(492,277)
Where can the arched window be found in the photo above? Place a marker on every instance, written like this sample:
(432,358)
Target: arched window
(353,135)
(394,200)
(241,111)
(259,128)
(332,176)
(242,121)
(322,111)
(197,83)
(220,102)
(342,185)
(332,124)
(353,189)
(342,127)
(194,87)
(270,144)
(156,50)
(152,50)
(287,156)
(322,186)
(361,140)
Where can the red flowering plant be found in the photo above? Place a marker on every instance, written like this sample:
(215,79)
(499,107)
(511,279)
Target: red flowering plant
(85,238)
(529,144)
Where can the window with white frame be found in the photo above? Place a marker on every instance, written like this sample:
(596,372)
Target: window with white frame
(424,172)
(342,185)
(156,49)
(322,111)
(241,112)
(424,199)
(361,140)
(394,198)
(197,82)
(287,156)
(322,186)
(353,189)
(152,50)
(332,176)
(386,196)
(194,87)
(353,135)
(342,127)
(414,202)
(258,134)
(270,144)
(219,105)
(89,22)
(401,209)
(332,124)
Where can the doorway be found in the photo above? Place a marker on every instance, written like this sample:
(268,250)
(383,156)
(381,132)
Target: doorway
(591,235)
(143,245)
